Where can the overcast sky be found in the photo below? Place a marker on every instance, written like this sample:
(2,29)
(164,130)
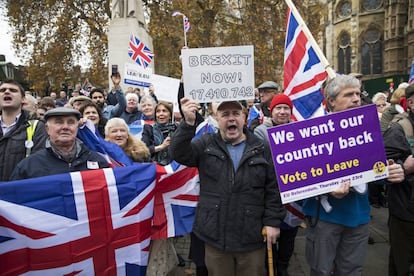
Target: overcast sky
(6,43)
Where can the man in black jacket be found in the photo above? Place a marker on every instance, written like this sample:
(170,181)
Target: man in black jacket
(238,192)
(397,139)
(15,144)
(64,152)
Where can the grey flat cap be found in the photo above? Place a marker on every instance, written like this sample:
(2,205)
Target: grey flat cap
(62,111)
(235,104)
(269,84)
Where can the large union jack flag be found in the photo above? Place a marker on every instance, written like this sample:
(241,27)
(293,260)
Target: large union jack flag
(88,223)
(303,72)
(138,52)
(176,197)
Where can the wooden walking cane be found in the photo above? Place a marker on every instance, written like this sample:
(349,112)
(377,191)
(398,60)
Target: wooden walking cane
(269,255)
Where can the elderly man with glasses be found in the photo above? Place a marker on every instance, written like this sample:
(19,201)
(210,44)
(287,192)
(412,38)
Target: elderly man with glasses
(267,90)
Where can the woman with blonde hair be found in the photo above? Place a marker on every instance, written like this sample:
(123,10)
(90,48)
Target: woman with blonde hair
(397,102)
(116,131)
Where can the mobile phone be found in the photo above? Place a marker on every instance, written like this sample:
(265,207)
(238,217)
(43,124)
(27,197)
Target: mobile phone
(114,70)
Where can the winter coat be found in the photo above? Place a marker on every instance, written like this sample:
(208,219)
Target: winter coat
(154,135)
(129,118)
(47,162)
(233,205)
(400,195)
(12,145)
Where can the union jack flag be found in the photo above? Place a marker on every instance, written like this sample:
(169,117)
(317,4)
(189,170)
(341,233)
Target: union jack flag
(89,223)
(115,156)
(303,72)
(176,197)
(254,113)
(411,78)
(140,53)
(186,21)
(84,92)
(176,192)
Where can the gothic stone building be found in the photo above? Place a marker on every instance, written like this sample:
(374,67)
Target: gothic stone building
(372,37)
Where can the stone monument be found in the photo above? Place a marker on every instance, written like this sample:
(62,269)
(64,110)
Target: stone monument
(127,19)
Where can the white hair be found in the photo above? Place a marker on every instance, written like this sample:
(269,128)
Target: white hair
(378,96)
(131,95)
(115,122)
(150,99)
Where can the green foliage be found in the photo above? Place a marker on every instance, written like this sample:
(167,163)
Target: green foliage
(225,23)
(52,36)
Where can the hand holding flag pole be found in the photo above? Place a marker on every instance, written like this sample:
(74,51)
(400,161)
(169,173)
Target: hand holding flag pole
(186,25)
(312,41)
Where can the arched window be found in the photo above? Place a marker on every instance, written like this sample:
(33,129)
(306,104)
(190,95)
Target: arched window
(344,53)
(344,9)
(371,52)
(371,5)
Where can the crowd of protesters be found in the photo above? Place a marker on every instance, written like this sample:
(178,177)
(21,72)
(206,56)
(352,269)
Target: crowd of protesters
(239,195)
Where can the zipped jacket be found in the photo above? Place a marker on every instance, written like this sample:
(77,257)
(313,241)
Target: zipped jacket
(234,205)
(12,145)
(47,162)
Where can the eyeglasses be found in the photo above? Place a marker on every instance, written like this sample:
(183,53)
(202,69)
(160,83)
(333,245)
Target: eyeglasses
(267,91)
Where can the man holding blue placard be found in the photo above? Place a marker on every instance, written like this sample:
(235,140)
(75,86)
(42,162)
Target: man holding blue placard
(338,231)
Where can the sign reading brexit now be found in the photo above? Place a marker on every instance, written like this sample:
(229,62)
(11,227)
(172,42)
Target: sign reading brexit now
(314,156)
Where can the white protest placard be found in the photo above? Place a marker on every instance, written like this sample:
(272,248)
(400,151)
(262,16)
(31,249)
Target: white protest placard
(137,75)
(165,88)
(219,73)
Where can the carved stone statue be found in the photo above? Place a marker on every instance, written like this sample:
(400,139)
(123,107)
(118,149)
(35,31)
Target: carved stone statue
(125,8)
(127,18)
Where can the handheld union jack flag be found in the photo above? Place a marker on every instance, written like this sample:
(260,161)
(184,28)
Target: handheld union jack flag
(140,53)
(254,113)
(304,72)
(115,156)
(186,25)
(88,223)
(186,21)
(176,197)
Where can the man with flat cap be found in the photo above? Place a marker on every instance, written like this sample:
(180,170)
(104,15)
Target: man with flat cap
(267,91)
(79,101)
(64,152)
